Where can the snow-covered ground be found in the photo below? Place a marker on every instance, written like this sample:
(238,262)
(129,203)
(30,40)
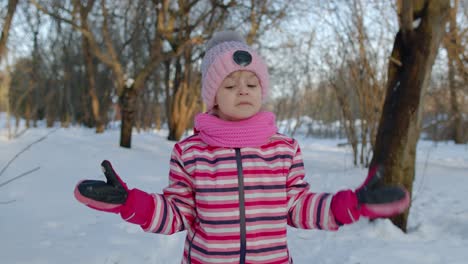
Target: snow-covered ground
(41,222)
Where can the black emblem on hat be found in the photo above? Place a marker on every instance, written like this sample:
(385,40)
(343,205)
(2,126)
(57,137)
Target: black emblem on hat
(242,57)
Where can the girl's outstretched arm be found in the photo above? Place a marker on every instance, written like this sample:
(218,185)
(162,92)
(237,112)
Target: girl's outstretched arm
(166,213)
(330,211)
(174,209)
(307,210)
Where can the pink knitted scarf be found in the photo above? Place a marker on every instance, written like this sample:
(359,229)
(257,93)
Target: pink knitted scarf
(251,132)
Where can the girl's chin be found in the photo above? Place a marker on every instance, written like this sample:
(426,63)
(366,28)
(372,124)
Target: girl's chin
(237,117)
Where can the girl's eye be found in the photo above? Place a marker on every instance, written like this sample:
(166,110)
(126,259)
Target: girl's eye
(251,85)
(229,87)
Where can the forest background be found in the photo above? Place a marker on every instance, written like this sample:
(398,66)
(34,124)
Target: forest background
(378,73)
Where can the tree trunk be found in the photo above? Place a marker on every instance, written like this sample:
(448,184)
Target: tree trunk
(6,26)
(410,67)
(127,110)
(451,45)
(456,122)
(90,66)
(182,111)
(90,72)
(35,78)
(28,110)
(185,100)
(179,113)
(157,115)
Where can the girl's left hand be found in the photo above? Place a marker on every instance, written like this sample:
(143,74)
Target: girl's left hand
(107,196)
(113,196)
(347,205)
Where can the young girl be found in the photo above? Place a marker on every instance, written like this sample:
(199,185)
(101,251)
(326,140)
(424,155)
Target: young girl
(236,184)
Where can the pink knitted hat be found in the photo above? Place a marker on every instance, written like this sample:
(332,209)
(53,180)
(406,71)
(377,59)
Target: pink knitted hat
(226,53)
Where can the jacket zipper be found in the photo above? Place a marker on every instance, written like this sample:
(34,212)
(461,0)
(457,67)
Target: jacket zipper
(240,175)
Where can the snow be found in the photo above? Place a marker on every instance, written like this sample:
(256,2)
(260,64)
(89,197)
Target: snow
(41,222)
(416,23)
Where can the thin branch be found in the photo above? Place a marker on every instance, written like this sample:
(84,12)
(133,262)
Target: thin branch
(396,61)
(57,17)
(83,28)
(19,176)
(8,202)
(23,150)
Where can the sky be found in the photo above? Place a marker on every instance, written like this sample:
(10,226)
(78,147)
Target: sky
(41,222)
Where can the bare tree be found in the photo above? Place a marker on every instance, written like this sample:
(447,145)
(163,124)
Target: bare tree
(422,27)
(196,20)
(5,80)
(368,86)
(84,10)
(32,100)
(456,67)
(356,60)
(263,16)
(344,95)
(128,87)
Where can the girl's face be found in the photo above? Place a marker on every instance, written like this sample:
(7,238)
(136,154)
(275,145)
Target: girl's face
(239,96)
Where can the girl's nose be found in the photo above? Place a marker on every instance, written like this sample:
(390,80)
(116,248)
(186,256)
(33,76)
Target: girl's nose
(243,90)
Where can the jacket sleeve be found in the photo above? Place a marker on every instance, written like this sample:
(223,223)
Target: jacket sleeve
(306,210)
(174,209)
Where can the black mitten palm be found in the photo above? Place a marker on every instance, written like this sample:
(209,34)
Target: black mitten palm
(134,206)
(380,202)
(103,195)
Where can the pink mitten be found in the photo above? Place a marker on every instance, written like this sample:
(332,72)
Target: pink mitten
(345,207)
(139,207)
(382,202)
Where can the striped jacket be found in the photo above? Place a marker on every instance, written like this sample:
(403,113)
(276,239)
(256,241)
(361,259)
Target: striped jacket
(236,203)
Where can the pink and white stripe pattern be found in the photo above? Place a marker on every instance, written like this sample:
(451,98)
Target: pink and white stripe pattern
(203,197)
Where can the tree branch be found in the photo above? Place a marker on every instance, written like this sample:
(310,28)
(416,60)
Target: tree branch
(84,29)
(19,176)
(8,202)
(24,149)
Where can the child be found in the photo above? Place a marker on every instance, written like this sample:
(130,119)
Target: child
(236,184)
